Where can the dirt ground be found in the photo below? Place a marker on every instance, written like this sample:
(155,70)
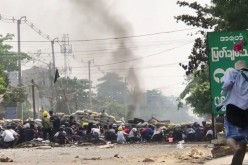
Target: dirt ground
(113,154)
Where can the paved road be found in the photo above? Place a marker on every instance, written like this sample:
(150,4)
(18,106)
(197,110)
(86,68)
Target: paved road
(225,160)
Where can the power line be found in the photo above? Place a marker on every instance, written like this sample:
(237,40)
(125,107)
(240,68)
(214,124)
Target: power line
(109,50)
(138,58)
(27,22)
(123,69)
(38,31)
(153,66)
(132,36)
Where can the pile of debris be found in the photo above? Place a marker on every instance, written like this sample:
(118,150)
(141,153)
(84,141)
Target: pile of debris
(195,156)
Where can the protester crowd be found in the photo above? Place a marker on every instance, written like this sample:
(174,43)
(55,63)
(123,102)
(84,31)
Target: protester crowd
(68,131)
(148,133)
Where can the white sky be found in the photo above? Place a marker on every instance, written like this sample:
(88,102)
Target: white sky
(112,18)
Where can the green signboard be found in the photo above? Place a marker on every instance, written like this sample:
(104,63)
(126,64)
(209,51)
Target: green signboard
(222,58)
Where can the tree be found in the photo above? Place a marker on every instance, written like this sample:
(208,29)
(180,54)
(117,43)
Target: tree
(164,108)
(155,98)
(112,87)
(198,58)
(112,94)
(8,62)
(197,93)
(71,94)
(232,14)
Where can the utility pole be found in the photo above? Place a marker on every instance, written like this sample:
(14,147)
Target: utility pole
(53,72)
(19,105)
(89,62)
(66,49)
(52,44)
(33,96)
(76,101)
(19,50)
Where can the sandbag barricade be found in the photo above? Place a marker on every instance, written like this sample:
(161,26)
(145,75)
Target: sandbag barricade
(94,117)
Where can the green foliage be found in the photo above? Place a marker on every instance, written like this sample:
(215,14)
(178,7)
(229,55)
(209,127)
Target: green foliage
(71,94)
(202,19)
(8,62)
(232,14)
(8,58)
(112,87)
(197,91)
(14,95)
(3,81)
(114,97)
(199,97)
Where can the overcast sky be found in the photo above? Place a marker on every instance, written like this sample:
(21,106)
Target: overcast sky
(154,43)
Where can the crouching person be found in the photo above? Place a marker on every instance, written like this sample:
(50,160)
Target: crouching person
(60,137)
(9,138)
(134,136)
(121,136)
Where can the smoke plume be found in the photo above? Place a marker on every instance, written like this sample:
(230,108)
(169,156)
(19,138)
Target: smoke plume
(101,17)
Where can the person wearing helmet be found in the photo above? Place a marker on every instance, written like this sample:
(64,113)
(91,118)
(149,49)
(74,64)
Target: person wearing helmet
(121,135)
(60,137)
(134,135)
(47,127)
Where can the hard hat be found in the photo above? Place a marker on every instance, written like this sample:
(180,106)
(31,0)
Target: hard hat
(45,113)
(120,128)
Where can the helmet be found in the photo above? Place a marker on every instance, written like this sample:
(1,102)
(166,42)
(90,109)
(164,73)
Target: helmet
(120,128)
(45,113)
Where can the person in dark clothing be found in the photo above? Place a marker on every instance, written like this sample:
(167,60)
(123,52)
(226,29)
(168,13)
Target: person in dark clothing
(29,132)
(110,134)
(190,133)
(90,125)
(177,133)
(69,131)
(22,136)
(204,125)
(60,136)
(55,120)
(199,133)
(72,121)
(81,132)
